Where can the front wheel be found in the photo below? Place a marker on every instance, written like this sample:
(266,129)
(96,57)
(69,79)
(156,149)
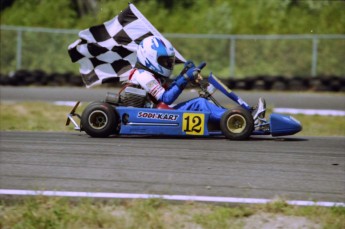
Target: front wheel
(99,120)
(237,124)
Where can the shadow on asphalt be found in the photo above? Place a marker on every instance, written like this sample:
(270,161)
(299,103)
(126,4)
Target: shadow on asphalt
(285,139)
(212,138)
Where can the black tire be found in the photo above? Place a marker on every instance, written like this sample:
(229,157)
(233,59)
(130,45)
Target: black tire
(99,120)
(237,124)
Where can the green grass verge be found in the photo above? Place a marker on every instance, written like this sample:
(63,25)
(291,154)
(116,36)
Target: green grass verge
(57,212)
(43,116)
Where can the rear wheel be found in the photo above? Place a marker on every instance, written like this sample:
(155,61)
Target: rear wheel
(237,124)
(99,120)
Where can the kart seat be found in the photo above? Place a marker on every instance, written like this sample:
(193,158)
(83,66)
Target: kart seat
(163,106)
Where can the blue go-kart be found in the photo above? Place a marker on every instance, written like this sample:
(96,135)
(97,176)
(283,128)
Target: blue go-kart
(125,115)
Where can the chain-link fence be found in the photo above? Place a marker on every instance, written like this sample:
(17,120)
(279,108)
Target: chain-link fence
(228,56)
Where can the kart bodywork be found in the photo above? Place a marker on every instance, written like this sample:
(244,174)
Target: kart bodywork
(101,119)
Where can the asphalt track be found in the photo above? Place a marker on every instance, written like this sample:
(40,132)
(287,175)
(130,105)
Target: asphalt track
(297,168)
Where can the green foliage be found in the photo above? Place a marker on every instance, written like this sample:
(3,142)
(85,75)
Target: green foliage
(7,51)
(247,17)
(266,57)
(275,57)
(203,16)
(39,13)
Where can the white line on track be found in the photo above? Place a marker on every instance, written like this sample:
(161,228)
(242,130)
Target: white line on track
(65,103)
(310,111)
(166,197)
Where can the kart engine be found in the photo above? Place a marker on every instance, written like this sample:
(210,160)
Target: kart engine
(133,97)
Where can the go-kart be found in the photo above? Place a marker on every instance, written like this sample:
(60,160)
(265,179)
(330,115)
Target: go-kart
(111,117)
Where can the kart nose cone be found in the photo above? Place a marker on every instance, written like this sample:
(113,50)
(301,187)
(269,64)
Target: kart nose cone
(284,125)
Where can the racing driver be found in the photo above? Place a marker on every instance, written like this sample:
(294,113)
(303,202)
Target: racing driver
(155,63)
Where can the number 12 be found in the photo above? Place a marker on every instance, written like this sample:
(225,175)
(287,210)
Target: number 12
(193,124)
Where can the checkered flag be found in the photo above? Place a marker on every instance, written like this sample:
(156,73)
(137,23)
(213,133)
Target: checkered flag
(108,50)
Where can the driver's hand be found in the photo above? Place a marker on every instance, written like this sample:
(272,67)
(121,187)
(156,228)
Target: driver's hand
(189,64)
(192,74)
(198,78)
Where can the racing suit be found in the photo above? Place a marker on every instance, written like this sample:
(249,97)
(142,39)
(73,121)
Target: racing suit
(168,94)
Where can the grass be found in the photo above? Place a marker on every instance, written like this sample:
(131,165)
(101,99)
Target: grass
(60,212)
(44,116)
(33,116)
(317,125)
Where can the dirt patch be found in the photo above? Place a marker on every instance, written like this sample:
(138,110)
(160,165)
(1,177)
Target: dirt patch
(277,221)
(21,110)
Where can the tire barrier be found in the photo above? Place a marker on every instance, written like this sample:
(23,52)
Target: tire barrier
(261,82)
(40,78)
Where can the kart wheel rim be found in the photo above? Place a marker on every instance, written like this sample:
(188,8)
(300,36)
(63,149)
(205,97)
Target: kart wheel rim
(98,119)
(236,123)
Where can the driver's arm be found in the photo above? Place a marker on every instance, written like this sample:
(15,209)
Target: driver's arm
(177,86)
(174,90)
(168,96)
(150,84)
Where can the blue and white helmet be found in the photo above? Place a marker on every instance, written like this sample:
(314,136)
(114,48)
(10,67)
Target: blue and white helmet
(157,54)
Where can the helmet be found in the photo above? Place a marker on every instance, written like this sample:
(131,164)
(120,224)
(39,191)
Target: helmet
(156,54)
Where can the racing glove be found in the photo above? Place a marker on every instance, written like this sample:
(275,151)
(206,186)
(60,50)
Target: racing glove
(180,80)
(187,65)
(192,74)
